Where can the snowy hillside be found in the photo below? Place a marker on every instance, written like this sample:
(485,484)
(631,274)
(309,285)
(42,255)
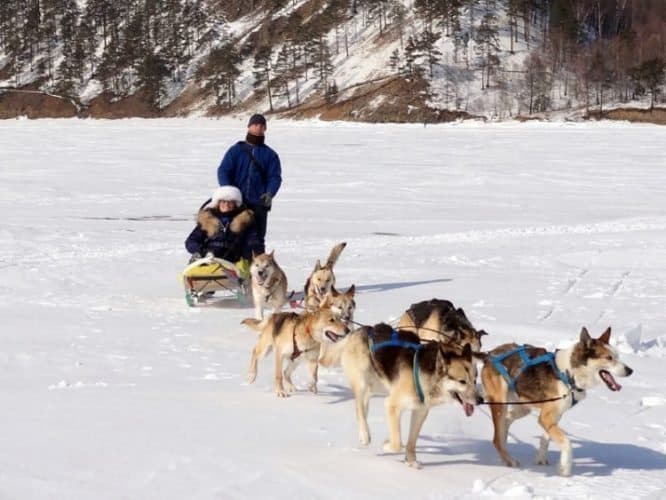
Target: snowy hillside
(366,60)
(113,388)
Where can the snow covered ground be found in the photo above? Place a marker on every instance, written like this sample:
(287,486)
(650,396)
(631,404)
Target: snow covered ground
(112,387)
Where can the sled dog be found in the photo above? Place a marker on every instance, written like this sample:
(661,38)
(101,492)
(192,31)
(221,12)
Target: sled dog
(442,375)
(322,279)
(269,283)
(294,338)
(576,369)
(438,319)
(343,305)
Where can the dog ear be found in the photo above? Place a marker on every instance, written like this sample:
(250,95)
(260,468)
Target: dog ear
(317,265)
(351,291)
(333,292)
(605,337)
(467,352)
(272,253)
(254,255)
(481,333)
(585,338)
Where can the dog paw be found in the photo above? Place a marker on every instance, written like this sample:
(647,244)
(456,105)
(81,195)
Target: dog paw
(291,388)
(364,438)
(282,394)
(564,470)
(312,388)
(414,464)
(541,461)
(391,448)
(512,462)
(251,377)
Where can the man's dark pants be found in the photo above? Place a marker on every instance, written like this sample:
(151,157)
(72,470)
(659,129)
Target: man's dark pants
(261,219)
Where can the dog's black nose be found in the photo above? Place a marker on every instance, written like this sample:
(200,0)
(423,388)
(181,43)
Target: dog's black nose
(628,370)
(479,399)
(346,330)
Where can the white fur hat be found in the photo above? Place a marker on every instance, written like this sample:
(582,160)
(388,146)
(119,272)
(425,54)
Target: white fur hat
(228,193)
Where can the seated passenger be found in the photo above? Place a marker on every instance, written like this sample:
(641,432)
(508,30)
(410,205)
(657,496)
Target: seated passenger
(226,229)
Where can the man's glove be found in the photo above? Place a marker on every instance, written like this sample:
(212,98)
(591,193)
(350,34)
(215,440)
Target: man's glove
(195,256)
(266,199)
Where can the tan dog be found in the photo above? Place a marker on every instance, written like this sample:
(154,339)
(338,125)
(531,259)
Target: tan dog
(444,375)
(294,338)
(322,279)
(269,283)
(585,364)
(438,319)
(343,305)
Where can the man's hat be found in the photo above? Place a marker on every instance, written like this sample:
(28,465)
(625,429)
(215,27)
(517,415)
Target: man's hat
(257,119)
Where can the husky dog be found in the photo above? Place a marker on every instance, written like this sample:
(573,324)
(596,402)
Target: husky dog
(585,364)
(295,338)
(322,279)
(344,305)
(438,319)
(442,374)
(269,283)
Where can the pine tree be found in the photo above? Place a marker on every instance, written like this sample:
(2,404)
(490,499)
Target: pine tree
(263,71)
(394,61)
(537,83)
(398,13)
(320,55)
(151,71)
(222,70)
(433,55)
(413,55)
(487,46)
(283,73)
(649,76)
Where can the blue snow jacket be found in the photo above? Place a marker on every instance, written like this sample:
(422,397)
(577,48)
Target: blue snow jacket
(237,169)
(228,236)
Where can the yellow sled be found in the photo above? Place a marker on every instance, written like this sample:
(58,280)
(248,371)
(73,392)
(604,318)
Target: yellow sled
(210,277)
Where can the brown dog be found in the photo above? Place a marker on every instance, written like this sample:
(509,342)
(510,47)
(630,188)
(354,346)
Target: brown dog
(440,320)
(294,337)
(585,364)
(322,279)
(269,283)
(442,375)
(344,305)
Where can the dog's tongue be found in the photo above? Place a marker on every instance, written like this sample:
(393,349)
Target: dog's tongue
(469,409)
(609,380)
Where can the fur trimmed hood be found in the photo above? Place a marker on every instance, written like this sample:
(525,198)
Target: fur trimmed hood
(209,220)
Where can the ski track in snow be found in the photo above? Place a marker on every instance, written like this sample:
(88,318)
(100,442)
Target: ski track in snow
(113,388)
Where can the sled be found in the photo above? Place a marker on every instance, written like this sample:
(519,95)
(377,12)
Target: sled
(212,279)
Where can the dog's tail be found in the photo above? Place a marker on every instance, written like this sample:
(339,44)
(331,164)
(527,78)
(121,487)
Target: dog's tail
(254,324)
(335,254)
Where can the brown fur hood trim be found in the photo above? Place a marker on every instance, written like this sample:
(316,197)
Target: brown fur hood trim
(210,223)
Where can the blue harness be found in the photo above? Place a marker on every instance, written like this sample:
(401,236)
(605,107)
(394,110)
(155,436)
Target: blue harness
(396,342)
(549,358)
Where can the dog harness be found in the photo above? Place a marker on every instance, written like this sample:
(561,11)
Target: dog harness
(528,362)
(296,352)
(396,342)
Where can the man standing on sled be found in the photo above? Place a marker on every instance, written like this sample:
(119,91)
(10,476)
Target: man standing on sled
(255,169)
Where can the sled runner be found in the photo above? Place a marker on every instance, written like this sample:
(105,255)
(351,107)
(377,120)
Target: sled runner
(210,278)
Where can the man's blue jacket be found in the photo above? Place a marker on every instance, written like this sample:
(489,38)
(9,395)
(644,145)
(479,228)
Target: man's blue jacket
(237,169)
